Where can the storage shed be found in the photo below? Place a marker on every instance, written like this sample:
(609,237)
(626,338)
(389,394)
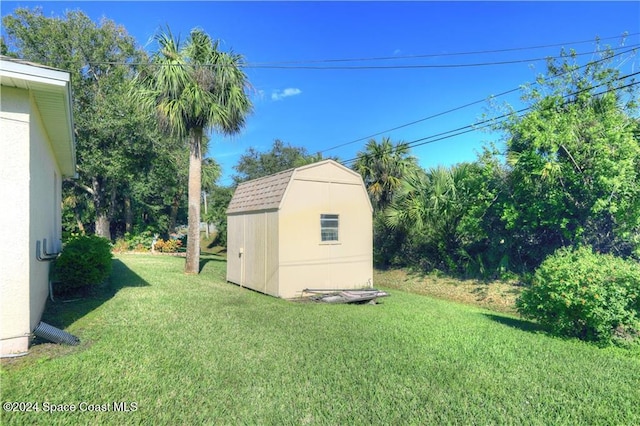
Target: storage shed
(304,228)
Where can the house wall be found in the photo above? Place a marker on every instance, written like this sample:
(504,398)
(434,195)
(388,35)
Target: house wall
(45,203)
(31,180)
(14,175)
(256,235)
(305,260)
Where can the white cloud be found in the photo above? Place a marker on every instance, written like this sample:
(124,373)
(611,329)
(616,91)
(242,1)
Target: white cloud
(278,95)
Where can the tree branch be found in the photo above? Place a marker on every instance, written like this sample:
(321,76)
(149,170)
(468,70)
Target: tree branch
(81,186)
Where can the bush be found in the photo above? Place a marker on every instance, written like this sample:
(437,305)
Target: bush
(168,246)
(578,293)
(84,261)
(139,242)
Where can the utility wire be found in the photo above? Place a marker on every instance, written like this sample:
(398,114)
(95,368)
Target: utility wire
(468,104)
(434,55)
(267,65)
(496,120)
(490,122)
(424,66)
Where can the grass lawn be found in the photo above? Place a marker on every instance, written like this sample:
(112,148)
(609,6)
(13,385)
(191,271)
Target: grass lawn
(196,350)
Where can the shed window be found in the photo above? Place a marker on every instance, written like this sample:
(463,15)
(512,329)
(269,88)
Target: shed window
(329,227)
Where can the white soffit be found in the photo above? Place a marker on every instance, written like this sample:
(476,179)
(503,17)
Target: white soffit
(51,90)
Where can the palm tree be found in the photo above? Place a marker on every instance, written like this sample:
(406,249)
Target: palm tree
(382,167)
(196,88)
(435,200)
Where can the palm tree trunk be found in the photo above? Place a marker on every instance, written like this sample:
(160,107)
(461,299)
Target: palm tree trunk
(192,265)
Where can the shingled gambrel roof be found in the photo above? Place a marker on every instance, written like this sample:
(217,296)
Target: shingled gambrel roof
(260,194)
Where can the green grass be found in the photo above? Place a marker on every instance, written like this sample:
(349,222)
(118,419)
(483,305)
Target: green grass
(196,350)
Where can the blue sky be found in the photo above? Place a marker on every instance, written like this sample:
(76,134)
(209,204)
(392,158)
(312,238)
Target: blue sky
(319,109)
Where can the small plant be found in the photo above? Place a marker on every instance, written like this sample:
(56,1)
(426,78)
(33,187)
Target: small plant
(121,245)
(582,294)
(139,242)
(168,246)
(84,261)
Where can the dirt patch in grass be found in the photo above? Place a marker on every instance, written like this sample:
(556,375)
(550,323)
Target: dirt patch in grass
(497,296)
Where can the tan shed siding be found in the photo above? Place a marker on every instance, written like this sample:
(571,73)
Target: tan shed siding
(276,221)
(307,262)
(235,241)
(257,235)
(327,172)
(254,251)
(272,260)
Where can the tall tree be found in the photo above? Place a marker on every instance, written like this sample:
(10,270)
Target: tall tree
(254,164)
(574,176)
(383,166)
(193,89)
(110,135)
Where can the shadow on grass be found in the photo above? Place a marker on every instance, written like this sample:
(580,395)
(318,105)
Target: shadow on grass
(206,258)
(66,309)
(515,323)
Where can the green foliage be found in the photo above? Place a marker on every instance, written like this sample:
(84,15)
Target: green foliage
(571,178)
(139,242)
(113,140)
(168,246)
(383,166)
(582,294)
(573,164)
(218,200)
(254,164)
(444,214)
(84,261)
(192,89)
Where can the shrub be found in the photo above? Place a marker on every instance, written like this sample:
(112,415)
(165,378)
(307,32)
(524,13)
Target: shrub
(121,245)
(168,246)
(139,242)
(578,293)
(84,261)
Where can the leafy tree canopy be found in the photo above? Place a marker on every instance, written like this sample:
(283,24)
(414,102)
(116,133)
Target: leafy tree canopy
(254,164)
(574,175)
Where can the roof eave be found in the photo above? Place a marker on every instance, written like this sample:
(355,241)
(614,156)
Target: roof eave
(47,82)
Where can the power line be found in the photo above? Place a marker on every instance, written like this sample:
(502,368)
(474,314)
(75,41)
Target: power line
(434,55)
(424,66)
(274,65)
(491,122)
(467,105)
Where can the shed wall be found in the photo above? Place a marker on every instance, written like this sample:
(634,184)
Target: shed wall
(252,250)
(305,260)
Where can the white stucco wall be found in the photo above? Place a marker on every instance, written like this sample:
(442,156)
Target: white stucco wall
(15,251)
(38,148)
(44,213)
(31,181)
